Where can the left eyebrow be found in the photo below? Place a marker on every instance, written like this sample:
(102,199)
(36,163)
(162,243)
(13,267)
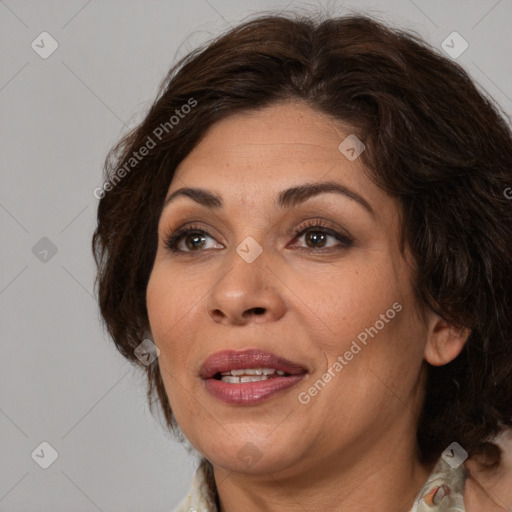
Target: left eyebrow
(288,198)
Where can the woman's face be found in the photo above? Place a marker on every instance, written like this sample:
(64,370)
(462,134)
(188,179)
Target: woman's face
(341,309)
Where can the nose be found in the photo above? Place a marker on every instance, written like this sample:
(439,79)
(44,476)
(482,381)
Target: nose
(246,292)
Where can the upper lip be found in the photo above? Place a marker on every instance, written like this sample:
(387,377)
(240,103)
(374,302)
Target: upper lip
(250,358)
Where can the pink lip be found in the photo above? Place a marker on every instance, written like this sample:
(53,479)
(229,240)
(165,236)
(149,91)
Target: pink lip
(248,393)
(250,358)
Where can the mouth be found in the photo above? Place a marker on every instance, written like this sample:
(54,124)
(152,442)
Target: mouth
(250,376)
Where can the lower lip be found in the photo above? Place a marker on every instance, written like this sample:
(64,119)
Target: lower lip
(248,393)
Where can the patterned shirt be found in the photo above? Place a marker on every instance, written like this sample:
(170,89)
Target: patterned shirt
(442,492)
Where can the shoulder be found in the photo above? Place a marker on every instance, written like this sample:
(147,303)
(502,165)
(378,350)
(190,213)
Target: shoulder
(491,490)
(202,495)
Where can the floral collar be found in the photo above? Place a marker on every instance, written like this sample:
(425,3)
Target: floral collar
(442,492)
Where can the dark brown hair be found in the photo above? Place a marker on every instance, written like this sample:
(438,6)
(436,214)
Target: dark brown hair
(433,141)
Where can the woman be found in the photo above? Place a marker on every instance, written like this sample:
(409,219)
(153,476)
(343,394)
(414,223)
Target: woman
(312,227)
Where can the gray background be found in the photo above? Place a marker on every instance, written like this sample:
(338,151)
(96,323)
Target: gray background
(61,379)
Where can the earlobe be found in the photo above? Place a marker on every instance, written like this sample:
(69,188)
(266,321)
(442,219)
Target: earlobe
(445,342)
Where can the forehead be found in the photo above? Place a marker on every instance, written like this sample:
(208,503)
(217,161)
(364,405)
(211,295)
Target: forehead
(259,153)
(280,135)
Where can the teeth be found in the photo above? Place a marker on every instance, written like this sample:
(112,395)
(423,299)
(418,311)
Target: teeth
(255,378)
(249,375)
(246,378)
(253,371)
(230,380)
(244,372)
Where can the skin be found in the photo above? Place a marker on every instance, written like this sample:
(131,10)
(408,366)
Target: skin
(490,489)
(352,447)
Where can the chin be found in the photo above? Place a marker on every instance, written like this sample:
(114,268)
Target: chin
(250,453)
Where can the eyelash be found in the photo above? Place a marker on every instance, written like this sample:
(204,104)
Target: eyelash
(172,239)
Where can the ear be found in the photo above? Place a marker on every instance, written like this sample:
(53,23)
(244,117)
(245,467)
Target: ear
(445,341)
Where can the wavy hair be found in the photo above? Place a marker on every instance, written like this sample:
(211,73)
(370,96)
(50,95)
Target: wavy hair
(437,144)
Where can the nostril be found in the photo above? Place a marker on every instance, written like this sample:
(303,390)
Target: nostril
(259,311)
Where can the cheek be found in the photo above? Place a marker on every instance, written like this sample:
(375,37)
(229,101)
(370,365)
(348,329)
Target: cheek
(166,313)
(349,300)
(167,299)
(157,304)
(373,381)
(369,313)
(174,305)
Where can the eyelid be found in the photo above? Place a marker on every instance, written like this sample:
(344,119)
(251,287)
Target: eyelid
(185,228)
(172,237)
(322,223)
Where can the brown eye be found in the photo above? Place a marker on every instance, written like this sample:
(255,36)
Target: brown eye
(194,240)
(316,237)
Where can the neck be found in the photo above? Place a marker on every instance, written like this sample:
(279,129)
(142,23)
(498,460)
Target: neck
(385,478)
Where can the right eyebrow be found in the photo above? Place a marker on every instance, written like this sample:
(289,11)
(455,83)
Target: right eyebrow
(288,198)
